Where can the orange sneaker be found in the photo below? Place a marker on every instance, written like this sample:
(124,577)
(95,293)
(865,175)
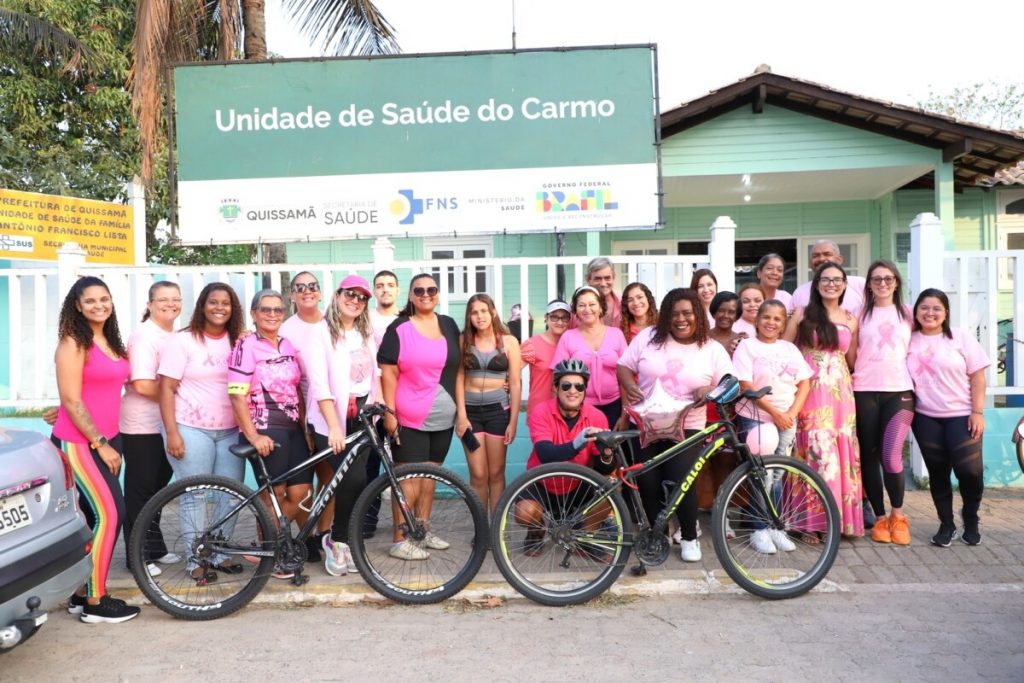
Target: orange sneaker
(899,530)
(880,532)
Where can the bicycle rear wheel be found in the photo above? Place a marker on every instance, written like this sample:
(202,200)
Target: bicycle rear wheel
(555,540)
(805,547)
(176,520)
(457,519)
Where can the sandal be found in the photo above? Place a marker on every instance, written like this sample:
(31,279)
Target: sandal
(203,577)
(229,567)
(811,537)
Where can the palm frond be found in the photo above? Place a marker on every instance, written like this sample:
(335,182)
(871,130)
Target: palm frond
(19,30)
(344,27)
(147,76)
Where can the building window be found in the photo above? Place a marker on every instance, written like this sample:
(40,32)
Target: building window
(459,282)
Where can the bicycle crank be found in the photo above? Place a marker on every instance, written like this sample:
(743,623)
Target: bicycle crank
(651,547)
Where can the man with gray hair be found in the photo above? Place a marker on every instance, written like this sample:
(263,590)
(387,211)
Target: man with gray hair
(601,276)
(827,251)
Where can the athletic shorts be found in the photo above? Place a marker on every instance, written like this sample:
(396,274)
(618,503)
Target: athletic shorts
(418,446)
(491,419)
(291,450)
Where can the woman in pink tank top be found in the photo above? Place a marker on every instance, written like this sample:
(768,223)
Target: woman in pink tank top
(92,366)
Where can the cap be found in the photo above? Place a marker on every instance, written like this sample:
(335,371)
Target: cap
(558,305)
(356,282)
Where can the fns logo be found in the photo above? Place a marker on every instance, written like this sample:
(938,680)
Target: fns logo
(229,210)
(407,206)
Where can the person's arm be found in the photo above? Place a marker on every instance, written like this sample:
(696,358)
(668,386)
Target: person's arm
(461,419)
(515,386)
(239,378)
(335,433)
(167,387)
(388,386)
(70,363)
(792,326)
(261,442)
(976,420)
(851,353)
(627,384)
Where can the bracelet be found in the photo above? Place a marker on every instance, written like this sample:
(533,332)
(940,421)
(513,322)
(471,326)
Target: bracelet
(978,412)
(98,443)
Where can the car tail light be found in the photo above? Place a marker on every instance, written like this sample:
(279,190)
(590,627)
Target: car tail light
(69,476)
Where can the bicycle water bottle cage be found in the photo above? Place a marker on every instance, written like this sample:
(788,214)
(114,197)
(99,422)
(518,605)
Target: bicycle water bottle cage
(727,391)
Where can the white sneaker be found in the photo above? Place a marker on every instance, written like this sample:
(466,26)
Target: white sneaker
(407,550)
(433,542)
(334,556)
(169,558)
(699,532)
(153,569)
(350,564)
(677,536)
(729,533)
(690,551)
(782,541)
(761,541)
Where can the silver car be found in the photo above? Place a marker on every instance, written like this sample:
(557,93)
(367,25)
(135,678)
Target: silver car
(44,542)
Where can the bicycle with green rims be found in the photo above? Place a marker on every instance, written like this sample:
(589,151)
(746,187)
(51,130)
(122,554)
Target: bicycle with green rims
(562,533)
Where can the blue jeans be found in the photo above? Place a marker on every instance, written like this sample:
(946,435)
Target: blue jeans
(786,438)
(206,452)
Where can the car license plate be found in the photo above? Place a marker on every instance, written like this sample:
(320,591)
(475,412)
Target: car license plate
(14,514)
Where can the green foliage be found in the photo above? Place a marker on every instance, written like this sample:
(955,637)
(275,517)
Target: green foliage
(227,254)
(997,105)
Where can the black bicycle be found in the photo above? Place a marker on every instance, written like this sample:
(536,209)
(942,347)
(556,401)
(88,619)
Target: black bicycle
(224,533)
(562,533)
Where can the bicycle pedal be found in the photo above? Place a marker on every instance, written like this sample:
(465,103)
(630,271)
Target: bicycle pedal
(300,579)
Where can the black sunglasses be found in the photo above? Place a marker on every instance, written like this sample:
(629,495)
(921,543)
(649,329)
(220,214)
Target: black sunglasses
(271,310)
(425,291)
(566,386)
(306,287)
(354,294)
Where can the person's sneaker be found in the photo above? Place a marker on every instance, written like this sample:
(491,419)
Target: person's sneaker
(944,537)
(313,548)
(690,551)
(75,604)
(869,514)
(534,543)
(729,533)
(880,532)
(168,558)
(761,541)
(350,563)
(899,530)
(677,536)
(782,540)
(433,542)
(108,611)
(281,573)
(407,550)
(334,556)
(972,534)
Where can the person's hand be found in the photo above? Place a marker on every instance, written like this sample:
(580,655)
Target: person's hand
(50,416)
(783,420)
(461,425)
(633,393)
(510,433)
(701,392)
(585,436)
(111,458)
(263,444)
(390,423)
(622,423)
(976,425)
(336,439)
(175,446)
(736,342)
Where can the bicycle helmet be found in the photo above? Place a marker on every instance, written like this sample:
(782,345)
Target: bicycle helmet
(572,366)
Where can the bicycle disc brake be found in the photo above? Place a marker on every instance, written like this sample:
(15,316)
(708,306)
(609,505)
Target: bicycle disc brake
(652,547)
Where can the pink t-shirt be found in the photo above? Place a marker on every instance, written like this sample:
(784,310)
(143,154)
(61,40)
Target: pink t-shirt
(201,367)
(783,296)
(140,415)
(298,331)
(380,324)
(603,387)
(882,351)
(102,381)
(778,364)
(741,326)
(853,298)
(328,369)
(537,353)
(941,367)
(682,368)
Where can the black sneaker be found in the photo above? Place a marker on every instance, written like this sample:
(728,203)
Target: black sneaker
(108,611)
(77,602)
(944,537)
(869,515)
(971,535)
(313,548)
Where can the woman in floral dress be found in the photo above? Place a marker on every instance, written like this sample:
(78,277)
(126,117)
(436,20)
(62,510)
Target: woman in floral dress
(826,427)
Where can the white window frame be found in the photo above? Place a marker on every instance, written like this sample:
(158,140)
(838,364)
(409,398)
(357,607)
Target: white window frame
(862,242)
(1006,225)
(458,279)
(646,273)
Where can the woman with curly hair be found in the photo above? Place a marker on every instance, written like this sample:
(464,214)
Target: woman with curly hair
(92,367)
(639,310)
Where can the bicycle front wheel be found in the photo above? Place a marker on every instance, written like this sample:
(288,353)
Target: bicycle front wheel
(763,559)
(557,538)
(431,569)
(213,575)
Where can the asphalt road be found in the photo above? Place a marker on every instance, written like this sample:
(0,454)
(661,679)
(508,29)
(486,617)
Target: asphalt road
(925,633)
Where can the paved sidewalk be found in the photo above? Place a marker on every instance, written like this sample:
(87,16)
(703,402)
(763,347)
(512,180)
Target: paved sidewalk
(861,564)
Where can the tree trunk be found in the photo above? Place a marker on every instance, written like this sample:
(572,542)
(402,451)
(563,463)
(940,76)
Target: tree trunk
(254,24)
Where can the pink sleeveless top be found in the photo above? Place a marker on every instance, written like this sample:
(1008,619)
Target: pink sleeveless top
(102,382)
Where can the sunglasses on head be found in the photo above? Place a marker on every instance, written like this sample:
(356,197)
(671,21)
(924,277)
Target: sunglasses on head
(271,310)
(578,386)
(355,294)
(306,287)
(425,291)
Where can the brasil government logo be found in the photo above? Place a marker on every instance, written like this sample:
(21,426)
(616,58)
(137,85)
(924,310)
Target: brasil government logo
(594,199)
(229,210)
(407,206)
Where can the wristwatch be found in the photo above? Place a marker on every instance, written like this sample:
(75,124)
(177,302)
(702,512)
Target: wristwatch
(95,445)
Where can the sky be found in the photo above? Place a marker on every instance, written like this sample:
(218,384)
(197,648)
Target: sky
(896,50)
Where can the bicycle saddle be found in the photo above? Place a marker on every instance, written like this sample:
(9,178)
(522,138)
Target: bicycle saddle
(613,439)
(243,450)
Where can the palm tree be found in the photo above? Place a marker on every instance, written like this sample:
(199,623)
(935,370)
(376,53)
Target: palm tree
(19,30)
(170,31)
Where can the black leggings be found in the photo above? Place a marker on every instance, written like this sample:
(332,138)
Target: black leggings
(351,486)
(947,446)
(146,471)
(883,423)
(674,470)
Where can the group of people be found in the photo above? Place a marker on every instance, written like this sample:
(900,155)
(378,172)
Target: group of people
(852,371)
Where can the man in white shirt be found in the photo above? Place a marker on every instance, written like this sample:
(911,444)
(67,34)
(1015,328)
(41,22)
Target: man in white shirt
(385,290)
(827,251)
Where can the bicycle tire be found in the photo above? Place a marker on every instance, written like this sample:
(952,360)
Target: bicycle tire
(457,516)
(556,560)
(806,507)
(174,590)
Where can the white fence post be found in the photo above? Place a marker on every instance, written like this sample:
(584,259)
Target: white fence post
(70,259)
(383,254)
(137,200)
(722,253)
(927,252)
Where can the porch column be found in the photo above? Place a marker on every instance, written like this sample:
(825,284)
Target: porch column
(137,200)
(70,258)
(383,254)
(944,191)
(722,253)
